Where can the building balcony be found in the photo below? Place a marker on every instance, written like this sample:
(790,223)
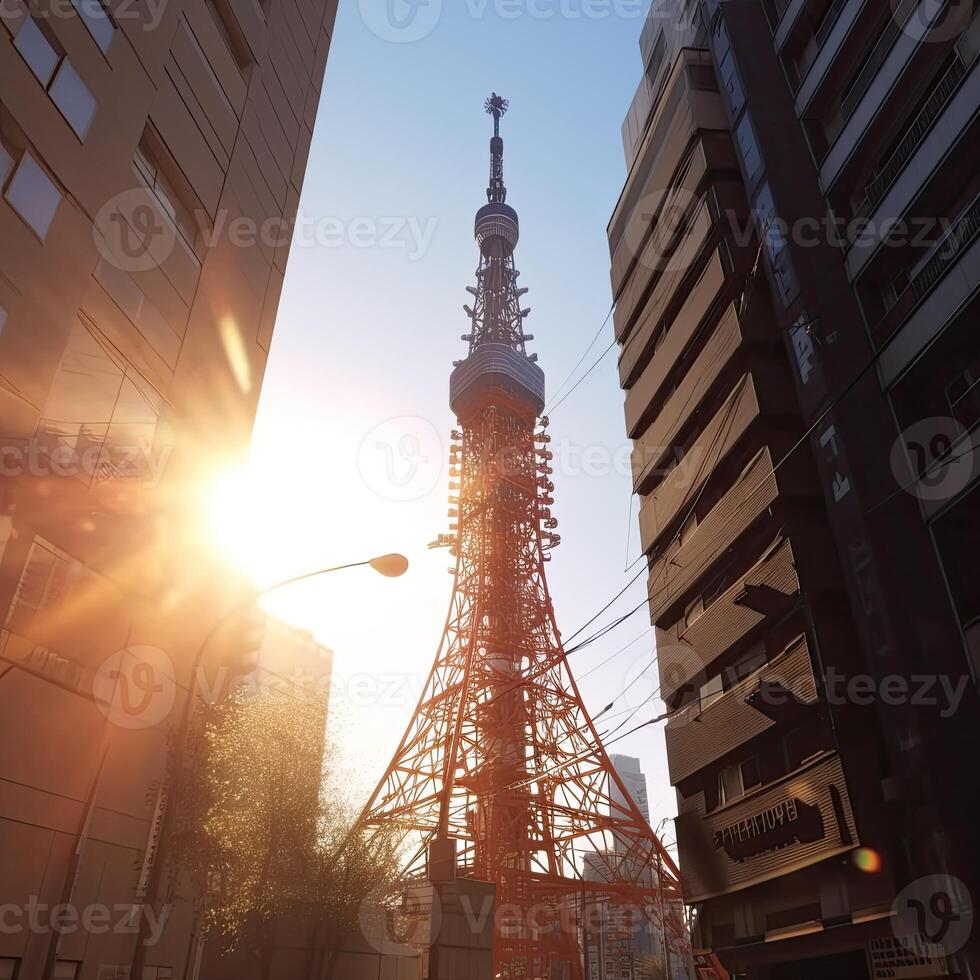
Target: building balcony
(838,30)
(665,490)
(879,82)
(938,289)
(888,171)
(721,346)
(678,570)
(704,267)
(701,735)
(669,242)
(689,121)
(691,423)
(694,649)
(663,234)
(784,17)
(783,827)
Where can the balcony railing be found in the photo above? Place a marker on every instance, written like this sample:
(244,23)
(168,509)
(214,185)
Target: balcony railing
(948,250)
(827,24)
(919,127)
(894,27)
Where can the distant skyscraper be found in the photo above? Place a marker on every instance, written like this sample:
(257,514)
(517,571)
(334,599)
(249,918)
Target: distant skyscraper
(635,781)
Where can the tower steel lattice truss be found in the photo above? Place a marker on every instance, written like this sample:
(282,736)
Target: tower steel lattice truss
(501,761)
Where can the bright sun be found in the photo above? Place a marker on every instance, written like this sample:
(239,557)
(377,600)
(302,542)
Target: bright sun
(235,520)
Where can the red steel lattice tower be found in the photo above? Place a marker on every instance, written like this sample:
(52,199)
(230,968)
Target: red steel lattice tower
(501,767)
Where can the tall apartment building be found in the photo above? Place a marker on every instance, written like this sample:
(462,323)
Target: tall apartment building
(151,161)
(795,268)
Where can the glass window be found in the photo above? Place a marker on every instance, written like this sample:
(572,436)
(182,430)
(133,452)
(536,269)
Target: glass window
(33,196)
(47,578)
(65,970)
(749,149)
(730,81)
(95,18)
(802,744)
(751,776)
(224,19)
(147,165)
(76,102)
(8,968)
(6,165)
(963,393)
(957,534)
(82,395)
(36,50)
(773,231)
(131,431)
(729,784)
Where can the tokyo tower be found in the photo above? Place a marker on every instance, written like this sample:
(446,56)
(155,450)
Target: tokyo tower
(501,769)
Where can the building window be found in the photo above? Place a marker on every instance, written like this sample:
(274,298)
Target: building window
(749,149)
(49,575)
(33,195)
(151,165)
(802,744)
(957,535)
(94,16)
(777,247)
(656,61)
(102,412)
(231,34)
(76,102)
(157,973)
(55,72)
(963,394)
(6,164)
(66,969)
(735,781)
(37,50)
(8,968)
(730,82)
(745,666)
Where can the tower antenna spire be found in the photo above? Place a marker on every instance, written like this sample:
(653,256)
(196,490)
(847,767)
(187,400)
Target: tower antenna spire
(497,107)
(501,775)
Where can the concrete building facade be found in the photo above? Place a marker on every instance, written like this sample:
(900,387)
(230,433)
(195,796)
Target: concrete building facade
(134,332)
(791,261)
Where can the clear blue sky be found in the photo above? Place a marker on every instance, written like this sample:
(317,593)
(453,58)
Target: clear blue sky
(368,329)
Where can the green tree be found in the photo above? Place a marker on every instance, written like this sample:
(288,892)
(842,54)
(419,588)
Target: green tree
(262,838)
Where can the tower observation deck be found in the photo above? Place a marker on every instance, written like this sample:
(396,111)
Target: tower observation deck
(501,775)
